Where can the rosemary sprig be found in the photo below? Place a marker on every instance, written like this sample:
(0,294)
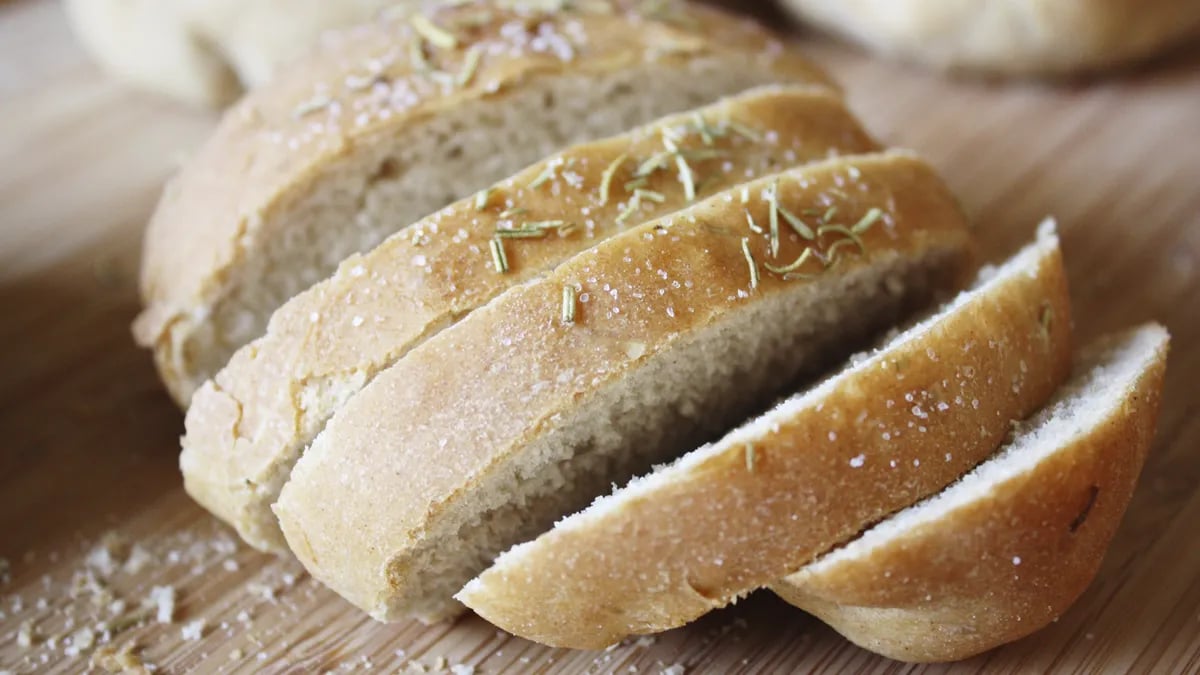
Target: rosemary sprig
(866,221)
(750,457)
(521,233)
(798,225)
(470,67)
(361,82)
(743,131)
(773,205)
(636,183)
(535,229)
(514,211)
(499,259)
(753,225)
(654,163)
(635,202)
(793,266)
(750,262)
(548,173)
(311,106)
(436,35)
(568,304)
(701,154)
(702,128)
(651,195)
(850,237)
(607,178)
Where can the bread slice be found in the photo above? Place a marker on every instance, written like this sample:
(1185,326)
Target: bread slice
(726,519)
(1005,550)
(247,427)
(390,121)
(625,355)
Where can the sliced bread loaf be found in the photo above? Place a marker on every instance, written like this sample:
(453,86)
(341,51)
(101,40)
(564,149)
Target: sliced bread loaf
(247,426)
(625,355)
(726,519)
(387,122)
(1004,551)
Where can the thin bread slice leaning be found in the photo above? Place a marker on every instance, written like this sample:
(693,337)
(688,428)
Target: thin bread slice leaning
(247,427)
(1007,549)
(623,356)
(731,517)
(387,122)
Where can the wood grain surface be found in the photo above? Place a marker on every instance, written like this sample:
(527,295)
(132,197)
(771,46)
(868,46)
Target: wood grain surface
(93,517)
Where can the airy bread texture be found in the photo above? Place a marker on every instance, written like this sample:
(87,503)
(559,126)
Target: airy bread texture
(247,427)
(1020,37)
(392,120)
(675,330)
(1004,551)
(894,427)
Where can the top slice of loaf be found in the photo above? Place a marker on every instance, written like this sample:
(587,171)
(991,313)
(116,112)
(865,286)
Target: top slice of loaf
(387,122)
(728,518)
(1005,550)
(522,412)
(248,426)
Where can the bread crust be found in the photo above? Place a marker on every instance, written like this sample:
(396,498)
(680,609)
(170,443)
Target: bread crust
(411,449)
(771,496)
(1018,37)
(318,119)
(247,427)
(1000,566)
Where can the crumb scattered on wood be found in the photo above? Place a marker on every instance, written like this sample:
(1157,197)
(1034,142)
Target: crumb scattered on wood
(123,659)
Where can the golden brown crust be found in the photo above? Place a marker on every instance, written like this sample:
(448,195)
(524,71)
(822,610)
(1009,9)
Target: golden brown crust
(247,427)
(363,85)
(417,442)
(999,566)
(1022,37)
(732,517)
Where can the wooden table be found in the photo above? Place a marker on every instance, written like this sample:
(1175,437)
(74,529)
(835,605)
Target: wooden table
(90,440)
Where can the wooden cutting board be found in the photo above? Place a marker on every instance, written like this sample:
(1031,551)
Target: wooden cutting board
(92,514)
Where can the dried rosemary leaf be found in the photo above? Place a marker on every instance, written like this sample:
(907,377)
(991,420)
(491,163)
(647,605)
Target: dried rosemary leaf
(568,304)
(792,266)
(437,36)
(750,262)
(499,259)
(607,178)
(753,225)
(798,225)
(866,221)
(470,67)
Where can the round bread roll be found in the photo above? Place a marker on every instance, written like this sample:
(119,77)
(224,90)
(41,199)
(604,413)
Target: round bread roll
(1020,37)
(206,51)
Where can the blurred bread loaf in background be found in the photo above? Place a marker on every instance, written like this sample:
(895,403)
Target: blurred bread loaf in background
(207,51)
(1014,37)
